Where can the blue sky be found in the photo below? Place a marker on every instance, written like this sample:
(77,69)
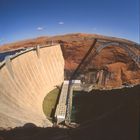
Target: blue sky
(24,19)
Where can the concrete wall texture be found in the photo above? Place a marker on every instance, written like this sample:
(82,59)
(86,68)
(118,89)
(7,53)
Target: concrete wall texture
(22,93)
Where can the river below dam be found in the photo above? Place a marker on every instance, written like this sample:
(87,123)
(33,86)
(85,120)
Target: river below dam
(99,104)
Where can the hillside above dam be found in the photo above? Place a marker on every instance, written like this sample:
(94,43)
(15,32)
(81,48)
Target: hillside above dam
(112,58)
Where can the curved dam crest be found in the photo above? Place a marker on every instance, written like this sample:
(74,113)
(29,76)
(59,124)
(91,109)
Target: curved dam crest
(22,89)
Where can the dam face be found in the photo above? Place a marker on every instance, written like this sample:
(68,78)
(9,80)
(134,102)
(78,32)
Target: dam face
(24,82)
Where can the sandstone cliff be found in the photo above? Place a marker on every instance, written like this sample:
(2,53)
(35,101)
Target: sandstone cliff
(75,46)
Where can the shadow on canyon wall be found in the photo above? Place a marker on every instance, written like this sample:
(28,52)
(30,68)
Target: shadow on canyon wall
(121,124)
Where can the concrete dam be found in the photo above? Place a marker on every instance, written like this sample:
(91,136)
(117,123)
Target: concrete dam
(25,79)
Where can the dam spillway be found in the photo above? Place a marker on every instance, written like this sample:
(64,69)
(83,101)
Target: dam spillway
(24,82)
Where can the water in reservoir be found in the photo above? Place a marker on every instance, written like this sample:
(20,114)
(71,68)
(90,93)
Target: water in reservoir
(8,53)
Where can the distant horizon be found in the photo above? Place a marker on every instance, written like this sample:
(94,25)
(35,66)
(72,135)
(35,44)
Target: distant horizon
(25,19)
(28,39)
